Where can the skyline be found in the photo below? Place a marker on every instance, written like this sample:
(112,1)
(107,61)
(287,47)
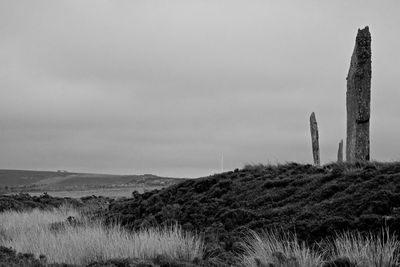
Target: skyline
(137,87)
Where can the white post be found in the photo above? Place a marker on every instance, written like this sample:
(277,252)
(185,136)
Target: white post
(222,162)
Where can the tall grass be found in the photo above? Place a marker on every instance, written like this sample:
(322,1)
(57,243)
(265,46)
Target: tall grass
(84,242)
(361,250)
(372,250)
(80,244)
(272,249)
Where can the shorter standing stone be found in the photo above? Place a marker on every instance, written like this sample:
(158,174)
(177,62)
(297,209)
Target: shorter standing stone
(340,152)
(314,139)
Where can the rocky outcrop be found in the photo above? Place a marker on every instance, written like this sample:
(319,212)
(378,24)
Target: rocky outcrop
(358,99)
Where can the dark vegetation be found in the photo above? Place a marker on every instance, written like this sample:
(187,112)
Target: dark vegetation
(23,202)
(312,202)
(20,202)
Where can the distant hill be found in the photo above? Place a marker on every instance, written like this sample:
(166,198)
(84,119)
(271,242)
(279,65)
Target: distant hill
(26,177)
(63,180)
(313,202)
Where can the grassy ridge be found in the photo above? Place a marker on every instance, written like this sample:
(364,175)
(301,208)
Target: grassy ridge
(312,202)
(26,177)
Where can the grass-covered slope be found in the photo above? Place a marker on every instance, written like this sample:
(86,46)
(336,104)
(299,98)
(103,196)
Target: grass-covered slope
(313,202)
(20,180)
(27,177)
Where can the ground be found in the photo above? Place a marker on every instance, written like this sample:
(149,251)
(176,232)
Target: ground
(313,202)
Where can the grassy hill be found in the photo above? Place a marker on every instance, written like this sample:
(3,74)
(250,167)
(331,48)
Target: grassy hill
(26,177)
(61,180)
(313,202)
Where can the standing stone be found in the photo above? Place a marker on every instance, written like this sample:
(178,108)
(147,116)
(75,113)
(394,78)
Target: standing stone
(358,99)
(314,139)
(340,152)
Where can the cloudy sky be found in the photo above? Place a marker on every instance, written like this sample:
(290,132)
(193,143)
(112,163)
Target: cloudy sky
(167,87)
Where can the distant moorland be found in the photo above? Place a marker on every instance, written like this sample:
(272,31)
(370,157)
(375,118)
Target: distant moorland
(71,184)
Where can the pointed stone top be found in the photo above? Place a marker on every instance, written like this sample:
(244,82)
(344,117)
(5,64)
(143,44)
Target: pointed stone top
(365,30)
(362,48)
(363,35)
(313,120)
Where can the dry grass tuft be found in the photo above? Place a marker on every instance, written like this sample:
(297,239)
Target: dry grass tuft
(355,249)
(85,242)
(379,250)
(271,249)
(347,249)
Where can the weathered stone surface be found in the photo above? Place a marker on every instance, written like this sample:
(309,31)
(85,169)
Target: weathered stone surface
(358,99)
(340,152)
(314,139)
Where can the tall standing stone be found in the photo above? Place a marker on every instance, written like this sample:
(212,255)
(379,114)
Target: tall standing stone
(358,99)
(314,139)
(340,152)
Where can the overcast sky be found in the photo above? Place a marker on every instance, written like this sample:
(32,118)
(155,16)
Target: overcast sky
(167,87)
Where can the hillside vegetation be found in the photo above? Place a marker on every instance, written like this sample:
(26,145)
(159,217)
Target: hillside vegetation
(24,202)
(313,202)
(262,215)
(66,236)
